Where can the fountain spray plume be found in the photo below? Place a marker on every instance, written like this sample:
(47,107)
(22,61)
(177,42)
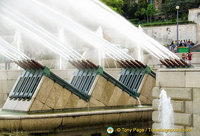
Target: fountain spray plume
(39,32)
(131,28)
(83,32)
(108,47)
(12,53)
(166,114)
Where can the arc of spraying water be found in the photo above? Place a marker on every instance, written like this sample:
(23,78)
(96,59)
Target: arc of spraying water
(89,36)
(20,19)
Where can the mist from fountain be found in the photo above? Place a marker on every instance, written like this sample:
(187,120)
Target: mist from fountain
(166,113)
(25,22)
(109,20)
(42,34)
(11,52)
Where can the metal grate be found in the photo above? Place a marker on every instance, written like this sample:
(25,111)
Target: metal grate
(132,77)
(83,79)
(27,84)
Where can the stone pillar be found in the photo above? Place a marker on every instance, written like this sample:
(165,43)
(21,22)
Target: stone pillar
(183,86)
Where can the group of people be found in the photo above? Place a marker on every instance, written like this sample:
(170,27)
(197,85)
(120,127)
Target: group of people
(187,56)
(181,43)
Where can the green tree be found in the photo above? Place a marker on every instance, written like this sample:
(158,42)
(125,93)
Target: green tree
(169,7)
(129,9)
(116,5)
(142,4)
(151,11)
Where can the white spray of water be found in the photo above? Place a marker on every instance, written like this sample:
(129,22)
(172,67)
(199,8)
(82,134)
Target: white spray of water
(61,37)
(11,51)
(166,114)
(53,43)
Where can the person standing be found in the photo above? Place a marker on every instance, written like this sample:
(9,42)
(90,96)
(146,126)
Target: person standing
(189,57)
(184,56)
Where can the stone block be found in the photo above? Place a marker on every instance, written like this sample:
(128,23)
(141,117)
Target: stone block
(178,106)
(194,131)
(130,116)
(115,97)
(182,119)
(69,122)
(4,86)
(10,85)
(23,105)
(146,116)
(82,104)
(144,100)
(157,126)
(13,74)
(9,104)
(36,105)
(111,118)
(123,100)
(95,103)
(170,79)
(192,79)
(99,88)
(76,121)
(179,118)
(3,75)
(155,116)
(63,99)
(107,93)
(189,107)
(148,83)
(54,95)
(97,119)
(132,101)
(82,120)
(44,89)
(196,94)
(196,120)
(175,93)
(10,125)
(40,124)
(45,107)
(196,109)
(72,101)
(156,92)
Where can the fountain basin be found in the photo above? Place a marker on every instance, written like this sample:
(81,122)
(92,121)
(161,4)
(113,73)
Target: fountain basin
(48,122)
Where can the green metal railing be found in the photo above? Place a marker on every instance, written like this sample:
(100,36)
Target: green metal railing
(29,80)
(132,77)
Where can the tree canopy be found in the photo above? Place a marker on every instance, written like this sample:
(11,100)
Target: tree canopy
(145,10)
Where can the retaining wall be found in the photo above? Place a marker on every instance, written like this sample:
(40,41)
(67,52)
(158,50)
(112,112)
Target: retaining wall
(182,85)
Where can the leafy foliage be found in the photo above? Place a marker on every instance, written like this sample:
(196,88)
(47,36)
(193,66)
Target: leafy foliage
(141,11)
(116,5)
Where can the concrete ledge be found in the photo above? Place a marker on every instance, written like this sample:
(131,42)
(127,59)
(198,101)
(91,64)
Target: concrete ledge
(51,121)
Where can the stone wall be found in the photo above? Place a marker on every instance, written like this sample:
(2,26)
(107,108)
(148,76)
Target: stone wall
(168,33)
(194,15)
(182,85)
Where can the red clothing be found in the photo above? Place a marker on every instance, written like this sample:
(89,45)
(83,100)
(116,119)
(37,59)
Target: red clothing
(189,55)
